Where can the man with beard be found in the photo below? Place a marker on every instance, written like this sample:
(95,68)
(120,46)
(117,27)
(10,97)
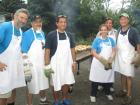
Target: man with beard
(11,75)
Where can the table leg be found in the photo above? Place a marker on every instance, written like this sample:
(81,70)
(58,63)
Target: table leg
(78,72)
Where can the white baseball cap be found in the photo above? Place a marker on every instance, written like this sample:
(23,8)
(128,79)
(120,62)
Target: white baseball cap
(124,15)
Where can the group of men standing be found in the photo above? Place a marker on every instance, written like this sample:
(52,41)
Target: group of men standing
(31,59)
(26,57)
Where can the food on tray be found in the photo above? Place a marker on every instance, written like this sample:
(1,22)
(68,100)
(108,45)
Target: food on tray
(80,48)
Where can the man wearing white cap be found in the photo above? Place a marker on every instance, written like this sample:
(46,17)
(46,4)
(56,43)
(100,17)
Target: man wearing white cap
(128,44)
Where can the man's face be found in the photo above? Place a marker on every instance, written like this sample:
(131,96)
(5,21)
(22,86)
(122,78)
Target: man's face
(37,24)
(109,24)
(124,21)
(62,24)
(21,19)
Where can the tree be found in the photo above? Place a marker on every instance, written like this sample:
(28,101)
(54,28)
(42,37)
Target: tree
(49,9)
(8,7)
(134,10)
(90,17)
(107,5)
(45,9)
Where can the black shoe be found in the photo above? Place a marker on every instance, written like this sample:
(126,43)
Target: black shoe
(121,93)
(11,103)
(127,100)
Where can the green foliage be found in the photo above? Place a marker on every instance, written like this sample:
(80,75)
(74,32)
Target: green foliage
(134,11)
(45,9)
(87,41)
(49,9)
(10,6)
(84,16)
(90,17)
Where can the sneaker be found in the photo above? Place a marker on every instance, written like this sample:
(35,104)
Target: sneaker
(66,102)
(121,93)
(92,99)
(127,100)
(46,102)
(109,97)
(70,89)
(112,89)
(100,88)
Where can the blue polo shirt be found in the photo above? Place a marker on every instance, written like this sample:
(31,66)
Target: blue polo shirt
(28,38)
(6,31)
(96,44)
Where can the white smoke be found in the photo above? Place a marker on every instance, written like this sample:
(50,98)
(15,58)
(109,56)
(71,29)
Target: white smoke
(66,7)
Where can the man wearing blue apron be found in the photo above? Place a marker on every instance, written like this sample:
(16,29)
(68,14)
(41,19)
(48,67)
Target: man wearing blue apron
(60,54)
(32,46)
(12,75)
(128,44)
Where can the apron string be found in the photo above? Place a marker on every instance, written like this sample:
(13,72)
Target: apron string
(35,34)
(14,30)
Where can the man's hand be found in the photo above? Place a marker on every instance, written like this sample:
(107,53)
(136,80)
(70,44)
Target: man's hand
(27,73)
(103,61)
(48,71)
(110,60)
(136,59)
(2,66)
(74,67)
(27,66)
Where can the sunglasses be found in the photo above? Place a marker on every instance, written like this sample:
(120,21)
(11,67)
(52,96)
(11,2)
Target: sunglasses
(62,16)
(33,18)
(108,19)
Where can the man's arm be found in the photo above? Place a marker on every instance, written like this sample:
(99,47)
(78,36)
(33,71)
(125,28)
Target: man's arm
(73,54)
(2,32)
(138,48)
(47,56)
(74,59)
(136,59)
(2,36)
(2,66)
(136,36)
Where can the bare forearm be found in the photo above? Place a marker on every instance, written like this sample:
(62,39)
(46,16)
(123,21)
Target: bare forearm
(138,48)
(73,54)
(113,52)
(95,54)
(47,56)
